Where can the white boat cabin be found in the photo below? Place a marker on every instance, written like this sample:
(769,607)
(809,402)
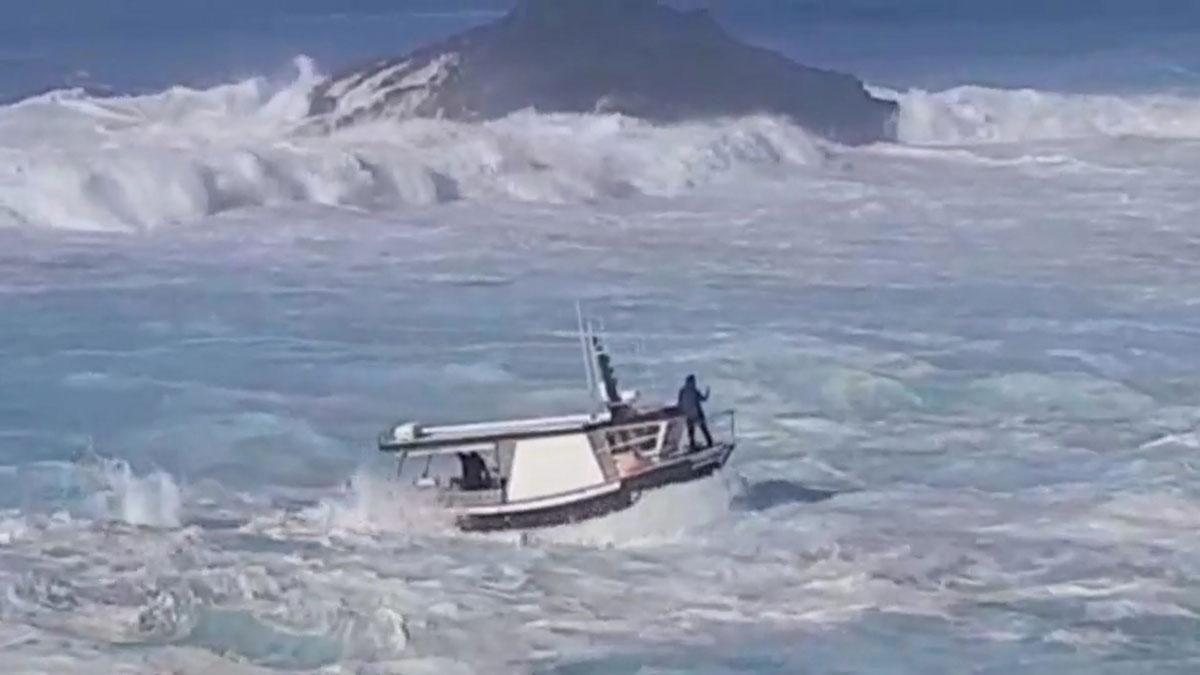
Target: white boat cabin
(512,470)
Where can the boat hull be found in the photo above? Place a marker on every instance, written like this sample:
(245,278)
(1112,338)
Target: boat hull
(694,466)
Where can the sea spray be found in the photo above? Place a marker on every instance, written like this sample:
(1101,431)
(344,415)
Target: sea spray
(113,491)
(373,502)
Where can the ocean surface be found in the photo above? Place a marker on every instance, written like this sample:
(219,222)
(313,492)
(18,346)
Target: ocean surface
(966,364)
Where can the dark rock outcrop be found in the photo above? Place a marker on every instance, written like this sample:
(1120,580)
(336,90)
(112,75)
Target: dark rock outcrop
(634,57)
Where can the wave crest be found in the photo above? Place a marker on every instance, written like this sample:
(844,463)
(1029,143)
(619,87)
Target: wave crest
(75,161)
(970,114)
(126,163)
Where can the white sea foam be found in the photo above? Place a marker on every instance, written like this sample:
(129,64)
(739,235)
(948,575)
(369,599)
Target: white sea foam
(68,160)
(374,503)
(973,114)
(101,488)
(152,500)
(672,513)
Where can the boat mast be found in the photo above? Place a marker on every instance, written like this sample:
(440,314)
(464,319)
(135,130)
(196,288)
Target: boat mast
(602,382)
(585,344)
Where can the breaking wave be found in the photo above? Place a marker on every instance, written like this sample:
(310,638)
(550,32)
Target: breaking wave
(74,161)
(70,160)
(968,115)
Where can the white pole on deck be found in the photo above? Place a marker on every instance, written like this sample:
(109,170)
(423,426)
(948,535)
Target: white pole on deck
(585,345)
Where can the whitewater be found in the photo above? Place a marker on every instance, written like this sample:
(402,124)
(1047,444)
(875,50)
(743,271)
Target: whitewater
(964,363)
(75,161)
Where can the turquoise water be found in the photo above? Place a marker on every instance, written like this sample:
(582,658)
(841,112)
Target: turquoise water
(964,362)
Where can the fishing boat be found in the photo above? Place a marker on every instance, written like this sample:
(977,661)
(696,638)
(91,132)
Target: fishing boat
(545,471)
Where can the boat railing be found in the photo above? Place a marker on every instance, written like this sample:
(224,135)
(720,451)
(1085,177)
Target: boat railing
(728,417)
(635,437)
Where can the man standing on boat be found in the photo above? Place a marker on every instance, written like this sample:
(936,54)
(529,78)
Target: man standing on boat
(690,399)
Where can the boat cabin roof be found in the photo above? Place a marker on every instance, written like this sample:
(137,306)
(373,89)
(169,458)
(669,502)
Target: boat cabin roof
(417,440)
(448,437)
